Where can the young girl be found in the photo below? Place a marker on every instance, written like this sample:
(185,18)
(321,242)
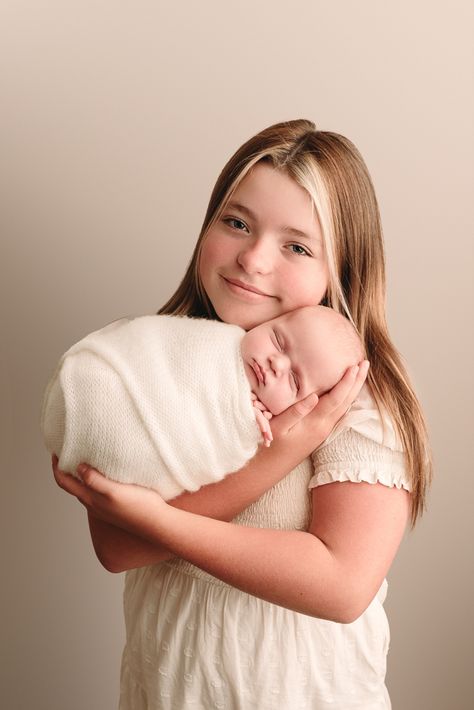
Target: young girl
(271,582)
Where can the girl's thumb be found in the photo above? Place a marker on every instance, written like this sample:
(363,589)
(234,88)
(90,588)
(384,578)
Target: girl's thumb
(307,404)
(297,411)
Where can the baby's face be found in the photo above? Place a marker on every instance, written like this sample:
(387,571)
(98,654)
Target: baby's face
(285,360)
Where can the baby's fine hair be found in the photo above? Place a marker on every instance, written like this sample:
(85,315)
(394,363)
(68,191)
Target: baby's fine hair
(347,336)
(349,342)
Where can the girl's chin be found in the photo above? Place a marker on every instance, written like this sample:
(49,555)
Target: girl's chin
(246,318)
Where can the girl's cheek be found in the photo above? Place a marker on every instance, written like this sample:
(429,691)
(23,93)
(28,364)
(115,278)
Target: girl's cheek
(216,252)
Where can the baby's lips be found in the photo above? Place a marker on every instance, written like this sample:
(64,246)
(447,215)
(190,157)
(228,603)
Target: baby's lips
(258,371)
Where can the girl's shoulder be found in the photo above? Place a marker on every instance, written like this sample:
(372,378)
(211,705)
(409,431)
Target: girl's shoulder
(365,418)
(363,446)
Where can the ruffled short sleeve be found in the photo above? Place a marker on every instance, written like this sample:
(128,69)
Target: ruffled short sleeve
(364,446)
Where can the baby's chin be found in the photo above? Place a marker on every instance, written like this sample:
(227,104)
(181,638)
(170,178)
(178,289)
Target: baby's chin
(276,409)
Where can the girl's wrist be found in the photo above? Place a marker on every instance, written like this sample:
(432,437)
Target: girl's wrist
(160,529)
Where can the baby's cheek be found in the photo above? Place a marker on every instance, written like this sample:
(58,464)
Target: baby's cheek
(277,404)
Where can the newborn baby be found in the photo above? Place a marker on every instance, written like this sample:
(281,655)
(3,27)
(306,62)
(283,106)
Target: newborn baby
(174,403)
(303,351)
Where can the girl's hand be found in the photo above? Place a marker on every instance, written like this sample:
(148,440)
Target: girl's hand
(306,424)
(124,505)
(297,432)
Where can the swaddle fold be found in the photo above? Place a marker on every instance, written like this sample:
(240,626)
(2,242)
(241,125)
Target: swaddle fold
(162,401)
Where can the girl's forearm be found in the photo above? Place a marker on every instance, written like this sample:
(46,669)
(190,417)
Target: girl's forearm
(118,550)
(293,569)
(225,499)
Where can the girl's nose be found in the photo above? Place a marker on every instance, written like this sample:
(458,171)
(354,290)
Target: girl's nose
(256,258)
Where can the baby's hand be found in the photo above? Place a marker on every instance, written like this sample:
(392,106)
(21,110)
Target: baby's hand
(262,415)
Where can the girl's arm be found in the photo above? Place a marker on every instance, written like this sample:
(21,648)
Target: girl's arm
(118,550)
(332,571)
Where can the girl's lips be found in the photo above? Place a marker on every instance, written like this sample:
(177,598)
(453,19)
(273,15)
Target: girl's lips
(244,292)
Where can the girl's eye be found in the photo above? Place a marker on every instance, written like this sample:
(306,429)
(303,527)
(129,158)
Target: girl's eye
(228,220)
(298,249)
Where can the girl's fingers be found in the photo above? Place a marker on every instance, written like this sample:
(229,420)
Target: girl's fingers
(291,416)
(95,480)
(329,410)
(360,379)
(90,480)
(341,391)
(358,382)
(346,390)
(69,484)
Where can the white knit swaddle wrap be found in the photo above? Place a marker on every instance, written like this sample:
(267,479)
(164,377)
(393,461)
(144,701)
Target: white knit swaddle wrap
(162,401)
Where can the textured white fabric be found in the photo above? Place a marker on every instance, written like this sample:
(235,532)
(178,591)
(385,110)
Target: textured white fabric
(162,401)
(194,641)
(364,417)
(379,455)
(375,463)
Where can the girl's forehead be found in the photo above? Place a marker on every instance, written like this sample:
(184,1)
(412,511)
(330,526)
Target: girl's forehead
(271,193)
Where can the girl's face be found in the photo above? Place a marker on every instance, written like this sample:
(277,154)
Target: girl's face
(264,256)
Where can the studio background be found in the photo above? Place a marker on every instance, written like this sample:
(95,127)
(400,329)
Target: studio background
(116,118)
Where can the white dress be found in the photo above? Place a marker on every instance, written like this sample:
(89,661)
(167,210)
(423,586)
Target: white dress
(195,642)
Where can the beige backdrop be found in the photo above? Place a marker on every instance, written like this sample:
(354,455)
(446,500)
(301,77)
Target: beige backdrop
(116,118)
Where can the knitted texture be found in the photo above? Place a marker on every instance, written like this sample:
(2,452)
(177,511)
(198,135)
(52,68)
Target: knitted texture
(364,417)
(162,401)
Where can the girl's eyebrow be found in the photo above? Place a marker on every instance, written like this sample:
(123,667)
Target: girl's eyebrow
(287,230)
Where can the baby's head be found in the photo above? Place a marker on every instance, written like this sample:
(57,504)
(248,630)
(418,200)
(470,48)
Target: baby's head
(303,351)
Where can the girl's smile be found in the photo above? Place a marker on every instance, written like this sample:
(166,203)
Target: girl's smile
(245,291)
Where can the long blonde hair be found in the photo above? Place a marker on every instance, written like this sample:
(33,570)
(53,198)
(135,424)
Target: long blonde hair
(330,168)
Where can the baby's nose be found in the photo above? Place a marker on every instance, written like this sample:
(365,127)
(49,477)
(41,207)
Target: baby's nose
(280,363)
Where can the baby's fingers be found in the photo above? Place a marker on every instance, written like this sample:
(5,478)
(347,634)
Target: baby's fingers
(264,427)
